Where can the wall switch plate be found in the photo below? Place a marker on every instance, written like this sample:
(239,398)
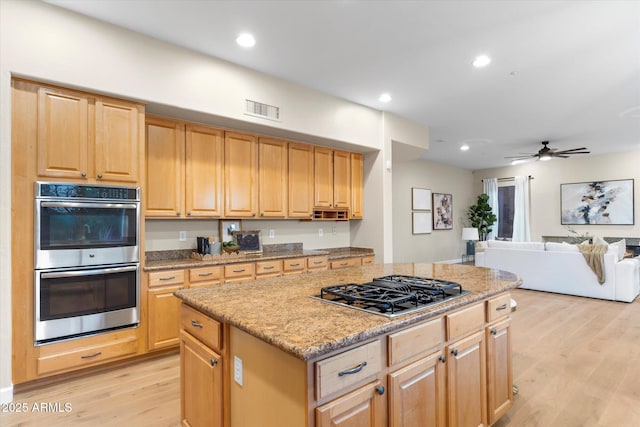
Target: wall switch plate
(272,233)
(320,232)
(237,369)
(183,236)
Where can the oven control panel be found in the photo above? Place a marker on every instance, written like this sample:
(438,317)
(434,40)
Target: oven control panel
(81,191)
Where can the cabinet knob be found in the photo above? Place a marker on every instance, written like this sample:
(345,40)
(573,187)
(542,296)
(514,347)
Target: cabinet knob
(213,362)
(262,214)
(189,213)
(99,176)
(178,213)
(494,332)
(380,390)
(443,359)
(253,214)
(454,351)
(84,174)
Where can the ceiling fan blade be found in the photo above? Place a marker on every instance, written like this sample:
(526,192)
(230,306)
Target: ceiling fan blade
(561,156)
(522,157)
(572,150)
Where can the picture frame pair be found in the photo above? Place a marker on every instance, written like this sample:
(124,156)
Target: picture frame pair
(431,211)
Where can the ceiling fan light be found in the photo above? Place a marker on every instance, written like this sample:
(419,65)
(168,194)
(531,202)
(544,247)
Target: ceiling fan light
(545,157)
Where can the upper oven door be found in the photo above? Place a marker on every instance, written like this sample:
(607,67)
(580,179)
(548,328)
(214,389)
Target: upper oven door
(71,233)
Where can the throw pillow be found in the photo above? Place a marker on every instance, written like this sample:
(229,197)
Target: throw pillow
(619,247)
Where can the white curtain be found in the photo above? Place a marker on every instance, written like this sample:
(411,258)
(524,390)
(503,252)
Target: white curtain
(490,188)
(521,228)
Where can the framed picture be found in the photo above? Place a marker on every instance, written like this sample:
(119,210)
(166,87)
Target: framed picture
(249,241)
(227,227)
(422,222)
(597,202)
(442,211)
(420,199)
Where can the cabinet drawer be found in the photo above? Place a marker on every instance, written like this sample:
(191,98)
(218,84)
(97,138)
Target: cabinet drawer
(498,307)
(318,263)
(80,353)
(205,274)
(201,326)
(294,265)
(415,340)
(163,278)
(344,263)
(339,372)
(268,268)
(368,260)
(465,320)
(243,271)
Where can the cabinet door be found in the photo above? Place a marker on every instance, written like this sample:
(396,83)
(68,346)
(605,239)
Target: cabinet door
(417,394)
(341,179)
(323,177)
(499,372)
(118,140)
(273,178)
(204,160)
(63,134)
(466,382)
(200,383)
(240,165)
(164,170)
(163,317)
(357,170)
(300,180)
(363,407)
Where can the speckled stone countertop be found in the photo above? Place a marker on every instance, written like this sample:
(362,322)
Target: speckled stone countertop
(180,259)
(281,312)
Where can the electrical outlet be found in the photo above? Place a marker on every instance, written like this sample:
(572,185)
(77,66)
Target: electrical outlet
(320,232)
(237,369)
(183,236)
(272,233)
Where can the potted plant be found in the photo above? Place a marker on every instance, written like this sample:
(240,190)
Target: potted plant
(481,216)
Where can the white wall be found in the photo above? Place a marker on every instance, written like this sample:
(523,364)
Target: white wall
(545,189)
(440,245)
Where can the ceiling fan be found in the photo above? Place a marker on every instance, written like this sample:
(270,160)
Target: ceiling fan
(547,153)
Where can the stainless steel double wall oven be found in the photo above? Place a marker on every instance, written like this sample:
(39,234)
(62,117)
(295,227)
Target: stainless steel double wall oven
(87,259)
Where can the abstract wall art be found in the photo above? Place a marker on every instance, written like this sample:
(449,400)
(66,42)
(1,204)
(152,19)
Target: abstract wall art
(597,202)
(442,211)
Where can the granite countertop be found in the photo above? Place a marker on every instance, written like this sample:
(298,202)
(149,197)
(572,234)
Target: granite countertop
(182,259)
(281,312)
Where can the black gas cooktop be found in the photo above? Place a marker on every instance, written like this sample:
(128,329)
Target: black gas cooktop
(392,295)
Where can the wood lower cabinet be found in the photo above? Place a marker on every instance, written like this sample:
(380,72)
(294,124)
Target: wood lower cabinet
(317,263)
(268,269)
(294,266)
(346,263)
(201,384)
(163,309)
(417,393)
(239,272)
(205,276)
(368,260)
(499,369)
(362,407)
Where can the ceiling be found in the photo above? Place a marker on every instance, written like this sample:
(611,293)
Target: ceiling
(563,71)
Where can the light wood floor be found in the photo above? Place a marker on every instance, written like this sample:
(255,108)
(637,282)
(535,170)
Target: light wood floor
(576,362)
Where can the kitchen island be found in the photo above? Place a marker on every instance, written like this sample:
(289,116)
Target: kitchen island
(266,353)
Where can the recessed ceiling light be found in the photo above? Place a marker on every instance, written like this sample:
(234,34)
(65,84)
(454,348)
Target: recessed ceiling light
(385,97)
(246,40)
(481,61)
(464,147)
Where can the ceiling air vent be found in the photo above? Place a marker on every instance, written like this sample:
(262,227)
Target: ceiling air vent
(264,111)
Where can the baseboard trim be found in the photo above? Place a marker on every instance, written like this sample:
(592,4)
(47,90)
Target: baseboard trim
(6,394)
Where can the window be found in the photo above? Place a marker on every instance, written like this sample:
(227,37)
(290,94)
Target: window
(506,207)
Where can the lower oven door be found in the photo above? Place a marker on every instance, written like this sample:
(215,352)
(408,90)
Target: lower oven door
(76,302)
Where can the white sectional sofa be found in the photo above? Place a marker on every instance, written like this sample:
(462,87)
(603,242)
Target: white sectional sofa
(561,268)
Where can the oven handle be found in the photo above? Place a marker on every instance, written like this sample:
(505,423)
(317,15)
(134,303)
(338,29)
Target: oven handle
(92,272)
(88,205)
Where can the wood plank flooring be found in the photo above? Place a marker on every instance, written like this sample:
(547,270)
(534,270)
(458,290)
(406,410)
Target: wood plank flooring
(576,362)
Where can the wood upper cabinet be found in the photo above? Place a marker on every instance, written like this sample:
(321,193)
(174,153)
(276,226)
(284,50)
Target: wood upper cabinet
(417,394)
(323,177)
(165,168)
(362,407)
(241,172)
(357,170)
(81,136)
(300,180)
(184,169)
(204,159)
(466,382)
(341,179)
(273,173)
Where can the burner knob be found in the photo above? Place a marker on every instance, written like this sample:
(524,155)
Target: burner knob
(380,390)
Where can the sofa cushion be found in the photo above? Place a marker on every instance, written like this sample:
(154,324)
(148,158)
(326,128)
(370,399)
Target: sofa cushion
(532,246)
(561,247)
(618,248)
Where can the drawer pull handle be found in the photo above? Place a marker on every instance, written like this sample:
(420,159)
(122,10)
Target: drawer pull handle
(380,390)
(213,362)
(501,307)
(353,370)
(295,265)
(239,271)
(196,324)
(91,356)
(268,267)
(454,351)
(168,278)
(317,262)
(205,274)
(343,264)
